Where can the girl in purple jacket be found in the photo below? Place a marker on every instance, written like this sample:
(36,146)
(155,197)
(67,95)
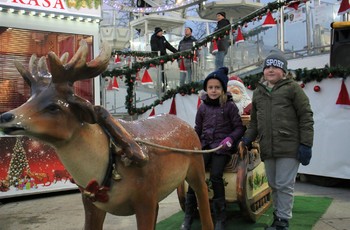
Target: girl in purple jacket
(217,123)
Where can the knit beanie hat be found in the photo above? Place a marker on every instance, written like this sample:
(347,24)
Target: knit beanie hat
(221,75)
(276,59)
(222,13)
(157,29)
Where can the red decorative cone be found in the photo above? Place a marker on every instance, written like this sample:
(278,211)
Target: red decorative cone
(344,7)
(269,21)
(153,113)
(215,47)
(239,37)
(117,59)
(294,5)
(115,83)
(110,85)
(195,59)
(199,102)
(182,66)
(173,107)
(146,78)
(343,98)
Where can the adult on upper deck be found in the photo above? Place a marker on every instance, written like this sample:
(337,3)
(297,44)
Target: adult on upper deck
(186,44)
(159,42)
(223,43)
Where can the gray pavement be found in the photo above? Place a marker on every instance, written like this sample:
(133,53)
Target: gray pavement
(65,210)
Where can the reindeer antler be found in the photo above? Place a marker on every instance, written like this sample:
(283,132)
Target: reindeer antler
(38,74)
(77,68)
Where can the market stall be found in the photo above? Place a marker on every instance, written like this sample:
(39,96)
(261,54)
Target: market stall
(28,166)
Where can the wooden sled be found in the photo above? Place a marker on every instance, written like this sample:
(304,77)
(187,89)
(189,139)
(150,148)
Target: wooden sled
(245,183)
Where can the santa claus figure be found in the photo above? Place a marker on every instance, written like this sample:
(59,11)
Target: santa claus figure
(239,95)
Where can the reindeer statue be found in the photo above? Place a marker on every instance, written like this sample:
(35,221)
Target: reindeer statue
(109,183)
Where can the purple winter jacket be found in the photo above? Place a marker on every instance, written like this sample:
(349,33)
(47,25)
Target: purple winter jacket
(214,123)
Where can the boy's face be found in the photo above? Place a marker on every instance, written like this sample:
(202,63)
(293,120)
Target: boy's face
(214,88)
(273,74)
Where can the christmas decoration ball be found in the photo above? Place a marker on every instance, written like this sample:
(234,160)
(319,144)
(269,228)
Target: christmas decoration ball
(330,75)
(302,85)
(317,88)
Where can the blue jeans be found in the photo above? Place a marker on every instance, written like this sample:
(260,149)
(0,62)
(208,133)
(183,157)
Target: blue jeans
(184,75)
(219,59)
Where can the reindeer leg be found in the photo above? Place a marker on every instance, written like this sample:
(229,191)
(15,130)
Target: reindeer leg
(131,149)
(94,217)
(196,179)
(146,218)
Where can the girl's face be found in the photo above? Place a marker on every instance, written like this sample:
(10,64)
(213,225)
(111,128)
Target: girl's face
(273,74)
(214,88)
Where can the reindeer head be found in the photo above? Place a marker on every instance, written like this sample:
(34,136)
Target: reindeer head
(53,112)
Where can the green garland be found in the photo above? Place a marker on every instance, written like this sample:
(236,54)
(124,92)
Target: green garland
(135,53)
(304,75)
(251,81)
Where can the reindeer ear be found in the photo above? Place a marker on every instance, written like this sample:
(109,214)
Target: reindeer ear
(83,110)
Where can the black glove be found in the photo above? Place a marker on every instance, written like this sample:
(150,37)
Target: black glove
(304,154)
(247,142)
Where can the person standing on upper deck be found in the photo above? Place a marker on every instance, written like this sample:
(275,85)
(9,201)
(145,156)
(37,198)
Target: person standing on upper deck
(186,44)
(222,43)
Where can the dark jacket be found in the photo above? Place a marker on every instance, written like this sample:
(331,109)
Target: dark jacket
(186,44)
(214,123)
(281,119)
(161,44)
(222,43)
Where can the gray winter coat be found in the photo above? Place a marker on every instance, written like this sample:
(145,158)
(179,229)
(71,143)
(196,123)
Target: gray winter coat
(186,44)
(281,120)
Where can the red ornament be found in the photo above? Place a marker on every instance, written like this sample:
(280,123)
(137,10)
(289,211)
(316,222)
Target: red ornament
(249,87)
(302,85)
(183,94)
(192,90)
(317,88)
(330,75)
(161,102)
(161,61)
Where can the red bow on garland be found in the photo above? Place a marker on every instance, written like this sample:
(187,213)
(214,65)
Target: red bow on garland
(96,193)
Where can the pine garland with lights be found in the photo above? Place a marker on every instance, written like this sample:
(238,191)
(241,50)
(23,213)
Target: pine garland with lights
(304,75)
(151,54)
(251,81)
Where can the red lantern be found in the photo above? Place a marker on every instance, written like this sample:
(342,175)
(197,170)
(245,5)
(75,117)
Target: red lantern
(317,88)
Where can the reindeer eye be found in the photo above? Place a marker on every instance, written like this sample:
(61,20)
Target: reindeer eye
(53,108)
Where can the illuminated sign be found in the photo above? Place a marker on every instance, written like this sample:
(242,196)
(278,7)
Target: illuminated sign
(90,8)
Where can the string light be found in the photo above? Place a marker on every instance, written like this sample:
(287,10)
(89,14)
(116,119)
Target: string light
(20,11)
(159,9)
